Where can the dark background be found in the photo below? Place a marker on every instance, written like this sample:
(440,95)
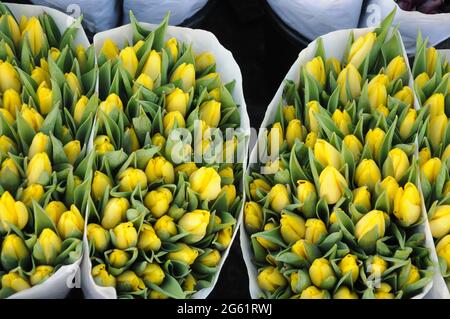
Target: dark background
(265,49)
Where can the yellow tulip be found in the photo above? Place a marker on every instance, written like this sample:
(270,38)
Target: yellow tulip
(405,95)
(377,266)
(374,219)
(128,281)
(440,221)
(118,258)
(253,217)
(275,138)
(158,201)
(322,274)
(332,185)
(152,66)
(230,193)
(396,68)
(8,117)
(148,240)
(195,224)
(72,151)
(12,101)
(312,108)
(313,292)
(307,196)
(110,49)
(39,144)
(210,259)
(172,46)
(270,279)
(125,236)
(224,237)
(50,247)
(381,79)
(384,292)
(436,129)
(350,264)
(294,132)
(54,210)
(158,140)
(396,164)
(73,83)
(413,275)
(154,274)
(184,254)
(129,60)
(71,223)
(114,212)
(111,104)
(159,168)
(383,110)
(215,94)
(342,120)
(333,64)
(436,104)
(165,227)
(170,120)
(187,168)
(99,184)
(374,140)
(12,212)
(408,123)
(289,113)
(102,277)
(13,251)
(79,109)
(39,169)
(361,197)
(80,53)
(34,34)
(361,48)
(327,154)
(41,273)
(13,27)
(131,178)
(39,75)
(377,95)
(210,113)
(33,192)
(345,293)
(421,80)
(54,53)
(316,69)
(354,145)
(292,228)
(178,101)
(15,282)
(143,80)
(186,74)
(98,236)
(279,197)
(349,75)
(431,168)
(390,186)
(265,242)
(206,182)
(431,58)
(315,230)
(32,117)
(424,156)
(203,61)
(258,184)
(443,249)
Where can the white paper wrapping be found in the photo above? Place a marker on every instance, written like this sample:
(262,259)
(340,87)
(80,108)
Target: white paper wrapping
(334,45)
(312,18)
(60,283)
(153,11)
(439,290)
(229,70)
(98,15)
(434,26)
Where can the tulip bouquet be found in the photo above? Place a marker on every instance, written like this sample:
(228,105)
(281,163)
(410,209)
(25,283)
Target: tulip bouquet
(432,86)
(164,205)
(335,208)
(45,174)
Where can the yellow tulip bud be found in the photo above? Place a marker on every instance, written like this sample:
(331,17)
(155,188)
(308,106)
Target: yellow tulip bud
(35,35)
(159,168)
(12,102)
(14,30)
(103,145)
(413,275)
(275,137)
(361,48)
(436,129)
(41,273)
(143,80)
(431,168)
(40,75)
(354,145)
(315,230)
(131,178)
(322,274)
(79,109)
(215,94)
(279,198)
(54,210)
(187,168)
(152,66)
(113,103)
(424,156)
(178,101)
(390,186)
(72,151)
(99,185)
(350,264)
(377,266)
(230,194)
(203,61)
(210,259)
(15,282)
(110,49)
(258,184)
(440,221)
(186,74)
(374,219)
(421,80)
(165,227)
(327,154)
(40,144)
(73,83)
(129,60)
(39,169)
(184,254)
(172,47)
(316,69)
(407,204)
(158,201)
(436,104)
(98,236)
(154,274)
(313,292)
(48,247)
(195,224)
(102,277)
(114,212)
(405,95)
(128,281)
(270,279)
(210,113)
(12,212)
(148,240)
(125,235)
(307,196)
(8,117)
(351,77)
(443,250)
(32,117)
(71,223)
(361,197)
(81,56)
(224,237)
(377,95)
(265,242)
(374,139)
(7,145)
(396,164)
(299,248)
(9,78)
(333,64)
(407,124)
(158,140)
(342,120)
(345,293)
(170,120)
(54,53)
(431,58)
(253,217)
(381,79)
(118,258)
(9,174)
(32,192)
(289,113)
(396,68)
(332,184)
(13,251)
(293,132)
(292,228)
(312,108)
(206,182)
